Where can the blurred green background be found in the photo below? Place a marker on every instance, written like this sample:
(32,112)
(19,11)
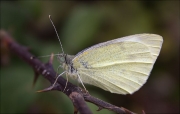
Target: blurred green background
(80,25)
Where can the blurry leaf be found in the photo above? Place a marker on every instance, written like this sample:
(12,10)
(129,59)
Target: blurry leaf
(16,89)
(80,28)
(14,17)
(53,102)
(11,16)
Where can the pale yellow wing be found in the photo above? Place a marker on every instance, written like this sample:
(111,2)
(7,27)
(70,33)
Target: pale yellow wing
(120,66)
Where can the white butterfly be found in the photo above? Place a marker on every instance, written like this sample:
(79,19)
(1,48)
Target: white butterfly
(120,66)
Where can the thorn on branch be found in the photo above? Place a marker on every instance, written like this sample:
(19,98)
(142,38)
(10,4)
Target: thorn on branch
(100,108)
(46,89)
(32,57)
(51,58)
(36,75)
(75,110)
(143,112)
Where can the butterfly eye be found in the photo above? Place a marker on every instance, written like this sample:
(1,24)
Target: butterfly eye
(62,59)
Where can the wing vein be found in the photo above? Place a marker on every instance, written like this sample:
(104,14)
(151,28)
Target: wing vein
(106,84)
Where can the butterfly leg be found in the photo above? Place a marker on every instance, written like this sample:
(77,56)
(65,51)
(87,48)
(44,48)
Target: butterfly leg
(58,68)
(81,82)
(66,82)
(57,78)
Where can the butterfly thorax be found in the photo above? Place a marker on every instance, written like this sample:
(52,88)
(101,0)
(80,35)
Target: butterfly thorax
(66,61)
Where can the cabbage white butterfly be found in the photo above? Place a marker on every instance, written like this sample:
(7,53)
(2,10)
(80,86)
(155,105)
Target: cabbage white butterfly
(120,66)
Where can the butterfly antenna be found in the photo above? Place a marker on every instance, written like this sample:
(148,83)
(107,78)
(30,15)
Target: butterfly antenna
(56,34)
(47,55)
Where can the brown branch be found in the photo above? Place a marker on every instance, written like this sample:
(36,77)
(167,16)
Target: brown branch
(76,94)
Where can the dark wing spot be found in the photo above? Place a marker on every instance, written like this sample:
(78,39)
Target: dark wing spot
(85,64)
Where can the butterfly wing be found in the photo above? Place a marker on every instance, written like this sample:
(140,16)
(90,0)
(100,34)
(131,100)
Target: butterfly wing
(120,66)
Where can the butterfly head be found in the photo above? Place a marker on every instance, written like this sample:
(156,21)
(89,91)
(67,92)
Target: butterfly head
(62,58)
